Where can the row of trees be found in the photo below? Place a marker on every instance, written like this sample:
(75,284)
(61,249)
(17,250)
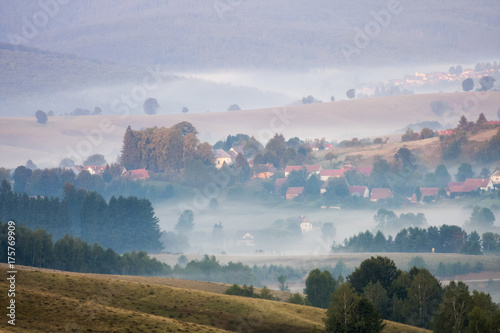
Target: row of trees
(50,183)
(36,248)
(123,224)
(445,239)
(378,289)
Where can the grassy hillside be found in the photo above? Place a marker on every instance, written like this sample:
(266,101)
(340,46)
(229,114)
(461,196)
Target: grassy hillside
(23,138)
(51,301)
(278,34)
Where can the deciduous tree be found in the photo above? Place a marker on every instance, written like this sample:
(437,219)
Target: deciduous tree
(319,286)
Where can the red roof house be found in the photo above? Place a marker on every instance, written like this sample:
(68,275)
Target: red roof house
(364,170)
(484,184)
(334,173)
(380,194)
(294,192)
(426,192)
(309,169)
(137,174)
(359,191)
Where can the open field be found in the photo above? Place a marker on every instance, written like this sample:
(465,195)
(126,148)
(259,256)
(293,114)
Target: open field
(79,137)
(52,301)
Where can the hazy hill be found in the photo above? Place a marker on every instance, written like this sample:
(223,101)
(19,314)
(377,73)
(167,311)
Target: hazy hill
(27,70)
(35,79)
(51,301)
(272,34)
(48,144)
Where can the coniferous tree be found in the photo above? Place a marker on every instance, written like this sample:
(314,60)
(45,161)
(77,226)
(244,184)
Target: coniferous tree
(129,158)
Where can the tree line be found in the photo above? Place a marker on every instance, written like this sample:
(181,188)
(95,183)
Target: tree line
(36,248)
(378,290)
(50,182)
(123,224)
(443,239)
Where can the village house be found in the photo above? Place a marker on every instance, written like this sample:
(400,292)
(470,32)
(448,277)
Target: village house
(323,187)
(430,192)
(264,171)
(310,169)
(139,174)
(234,151)
(380,194)
(246,237)
(92,169)
(294,192)
(459,188)
(221,158)
(495,177)
(483,184)
(324,175)
(359,191)
(304,224)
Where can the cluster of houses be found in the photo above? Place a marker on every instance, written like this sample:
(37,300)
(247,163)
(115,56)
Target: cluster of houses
(138,174)
(421,79)
(453,189)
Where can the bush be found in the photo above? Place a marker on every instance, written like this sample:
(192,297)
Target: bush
(297,299)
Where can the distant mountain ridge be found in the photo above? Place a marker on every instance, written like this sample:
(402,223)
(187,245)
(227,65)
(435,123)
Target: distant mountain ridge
(282,34)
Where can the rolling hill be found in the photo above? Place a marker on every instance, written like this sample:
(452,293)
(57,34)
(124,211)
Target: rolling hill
(34,79)
(79,137)
(52,301)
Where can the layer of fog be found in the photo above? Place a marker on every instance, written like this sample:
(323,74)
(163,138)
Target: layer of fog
(322,83)
(214,90)
(172,96)
(251,215)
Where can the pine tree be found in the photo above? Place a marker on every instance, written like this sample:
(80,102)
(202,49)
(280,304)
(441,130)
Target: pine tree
(481,122)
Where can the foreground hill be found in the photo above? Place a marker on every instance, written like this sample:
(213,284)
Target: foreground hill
(48,144)
(52,301)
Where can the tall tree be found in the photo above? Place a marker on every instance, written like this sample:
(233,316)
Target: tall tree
(424,296)
(351,93)
(319,286)
(95,159)
(381,269)
(185,127)
(205,153)
(379,176)
(442,175)
(185,221)
(464,172)
(130,157)
(487,82)
(481,217)
(275,149)
(41,117)
(190,146)
(151,106)
(481,121)
(376,294)
(451,315)
(21,177)
(350,313)
(468,84)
